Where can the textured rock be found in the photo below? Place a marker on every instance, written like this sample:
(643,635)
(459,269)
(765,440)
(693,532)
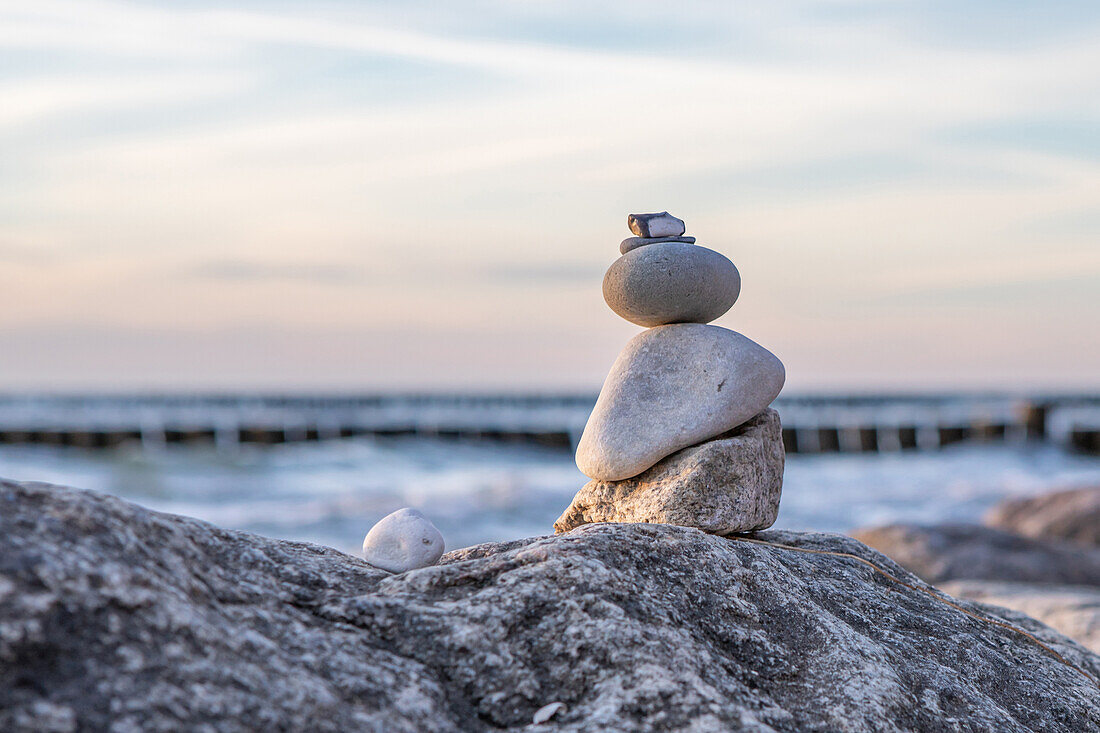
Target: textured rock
(114,617)
(1073,516)
(663,224)
(972,552)
(729,484)
(401,541)
(1072,610)
(671,283)
(671,387)
(634,242)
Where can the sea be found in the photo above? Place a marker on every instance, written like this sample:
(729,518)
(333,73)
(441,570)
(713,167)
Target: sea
(332,491)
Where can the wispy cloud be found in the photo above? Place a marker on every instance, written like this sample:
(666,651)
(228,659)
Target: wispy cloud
(30,101)
(314,272)
(23,255)
(528,275)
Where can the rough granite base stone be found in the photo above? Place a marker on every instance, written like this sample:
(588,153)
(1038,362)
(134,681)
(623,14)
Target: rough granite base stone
(117,618)
(729,484)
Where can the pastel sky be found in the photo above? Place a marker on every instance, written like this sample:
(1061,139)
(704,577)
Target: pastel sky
(362,195)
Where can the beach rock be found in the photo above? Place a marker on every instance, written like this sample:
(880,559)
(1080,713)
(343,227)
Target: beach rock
(634,242)
(403,540)
(972,552)
(1073,516)
(113,617)
(663,224)
(671,387)
(729,484)
(1073,610)
(671,283)
(546,712)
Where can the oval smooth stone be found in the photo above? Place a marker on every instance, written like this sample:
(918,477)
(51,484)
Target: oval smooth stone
(402,541)
(671,387)
(671,283)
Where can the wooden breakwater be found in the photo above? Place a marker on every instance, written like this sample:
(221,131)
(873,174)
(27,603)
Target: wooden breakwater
(812,424)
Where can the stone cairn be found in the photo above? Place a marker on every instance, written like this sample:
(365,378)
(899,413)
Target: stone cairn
(682,432)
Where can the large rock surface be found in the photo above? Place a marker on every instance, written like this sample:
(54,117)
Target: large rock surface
(1073,610)
(113,617)
(1072,515)
(671,387)
(972,552)
(729,484)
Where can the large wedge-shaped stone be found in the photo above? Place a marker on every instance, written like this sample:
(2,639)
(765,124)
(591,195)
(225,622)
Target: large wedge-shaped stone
(671,387)
(726,485)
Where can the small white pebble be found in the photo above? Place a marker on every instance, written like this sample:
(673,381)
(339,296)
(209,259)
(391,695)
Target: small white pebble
(402,541)
(546,712)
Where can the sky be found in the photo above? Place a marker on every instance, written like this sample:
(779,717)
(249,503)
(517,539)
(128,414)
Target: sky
(418,195)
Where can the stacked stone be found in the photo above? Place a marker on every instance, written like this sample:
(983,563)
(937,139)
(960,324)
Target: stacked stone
(681,432)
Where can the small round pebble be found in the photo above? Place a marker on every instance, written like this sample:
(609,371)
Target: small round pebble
(402,541)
